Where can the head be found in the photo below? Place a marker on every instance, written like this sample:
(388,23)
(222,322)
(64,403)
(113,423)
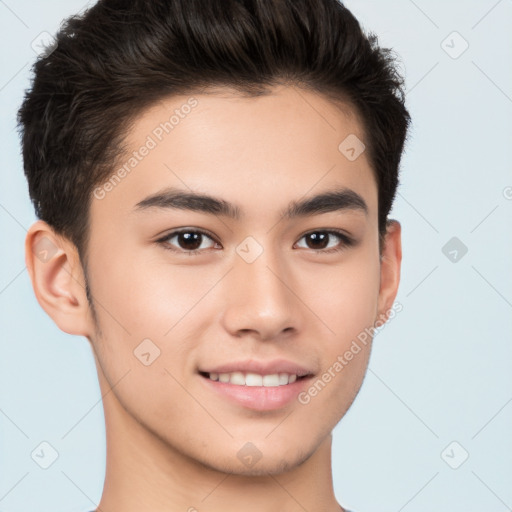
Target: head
(144,106)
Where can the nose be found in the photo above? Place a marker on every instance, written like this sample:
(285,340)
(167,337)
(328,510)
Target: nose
(260,300)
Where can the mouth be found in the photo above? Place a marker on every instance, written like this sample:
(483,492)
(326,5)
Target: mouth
(254,391)
(254,379)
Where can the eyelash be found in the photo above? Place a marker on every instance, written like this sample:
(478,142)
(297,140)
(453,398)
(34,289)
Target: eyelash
(346,241)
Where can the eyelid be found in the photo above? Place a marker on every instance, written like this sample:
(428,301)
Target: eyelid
(163,240)
(177,231)
(332,231)
(346,240)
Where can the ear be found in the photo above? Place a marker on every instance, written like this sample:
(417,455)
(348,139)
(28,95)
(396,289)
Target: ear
(57,278)
(391,259)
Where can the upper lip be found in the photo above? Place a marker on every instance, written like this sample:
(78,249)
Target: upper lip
(260,367)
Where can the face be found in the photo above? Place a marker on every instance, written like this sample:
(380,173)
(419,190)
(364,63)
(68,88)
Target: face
(241,235)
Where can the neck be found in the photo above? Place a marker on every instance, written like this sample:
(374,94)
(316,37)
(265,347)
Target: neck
(143,472)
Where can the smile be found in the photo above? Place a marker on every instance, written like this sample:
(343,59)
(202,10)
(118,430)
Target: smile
(253,379)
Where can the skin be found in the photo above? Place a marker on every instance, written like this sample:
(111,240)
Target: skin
(172,443)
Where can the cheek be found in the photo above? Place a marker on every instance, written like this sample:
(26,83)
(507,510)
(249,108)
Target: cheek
(145,296)
(138,299)
(144,310)
(344,297)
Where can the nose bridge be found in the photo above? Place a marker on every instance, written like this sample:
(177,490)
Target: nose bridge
(258,272)
(259,297)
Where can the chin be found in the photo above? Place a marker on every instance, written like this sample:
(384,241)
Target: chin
(260,468)
(260,465)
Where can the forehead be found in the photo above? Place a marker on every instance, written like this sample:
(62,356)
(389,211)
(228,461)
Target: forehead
(251,151)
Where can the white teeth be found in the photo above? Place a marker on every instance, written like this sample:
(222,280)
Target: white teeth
(271,380)
(237,378)
(254,379)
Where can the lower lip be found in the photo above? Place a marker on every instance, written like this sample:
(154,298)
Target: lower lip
(259,398)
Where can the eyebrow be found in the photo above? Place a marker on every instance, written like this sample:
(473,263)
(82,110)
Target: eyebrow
(343,199)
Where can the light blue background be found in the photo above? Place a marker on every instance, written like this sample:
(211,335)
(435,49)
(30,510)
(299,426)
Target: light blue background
(441,371)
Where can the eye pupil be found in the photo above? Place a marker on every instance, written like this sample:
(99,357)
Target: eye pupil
(189,241)
(323,238)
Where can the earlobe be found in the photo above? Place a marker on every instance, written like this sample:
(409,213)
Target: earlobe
(57,279)
(391,260)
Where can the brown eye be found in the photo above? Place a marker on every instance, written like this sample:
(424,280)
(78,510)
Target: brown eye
(326,241)
(317,240)
(187,241)
(190,241)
